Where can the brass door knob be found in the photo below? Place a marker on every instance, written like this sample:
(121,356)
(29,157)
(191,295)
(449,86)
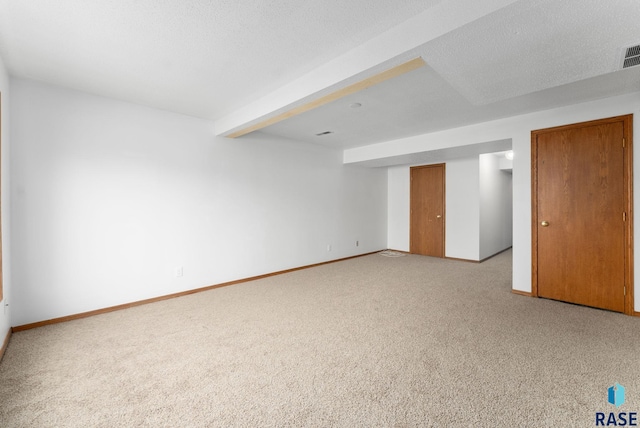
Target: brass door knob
(438,216)
(544,223)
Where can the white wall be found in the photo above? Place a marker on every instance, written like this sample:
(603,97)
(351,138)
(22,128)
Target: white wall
(461,225)
(5,206)
(496,223)
(398,216)
(462,231)
(111,197)
(518,129)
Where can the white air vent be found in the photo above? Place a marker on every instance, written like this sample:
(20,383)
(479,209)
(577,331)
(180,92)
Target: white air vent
(631,56)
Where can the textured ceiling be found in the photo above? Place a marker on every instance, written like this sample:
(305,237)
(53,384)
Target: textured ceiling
(198,57)
(422,101)
(252,60)
(535,45)
(526,57)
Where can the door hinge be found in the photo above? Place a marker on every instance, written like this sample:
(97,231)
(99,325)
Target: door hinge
(624,216)
(623,142)
(625,290)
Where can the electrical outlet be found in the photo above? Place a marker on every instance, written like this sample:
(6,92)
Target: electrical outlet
(357,243)
(179,271)
(328,247)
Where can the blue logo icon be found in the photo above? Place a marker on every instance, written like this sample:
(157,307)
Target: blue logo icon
(616,395)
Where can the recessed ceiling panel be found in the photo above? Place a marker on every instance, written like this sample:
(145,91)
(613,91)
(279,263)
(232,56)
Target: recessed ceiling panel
(421,101)
(396,108)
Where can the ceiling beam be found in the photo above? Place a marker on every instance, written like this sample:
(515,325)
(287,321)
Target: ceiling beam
(390,48)
(348,90)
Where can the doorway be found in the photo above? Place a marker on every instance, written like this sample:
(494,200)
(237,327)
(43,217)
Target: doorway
(427,202)
(582,226)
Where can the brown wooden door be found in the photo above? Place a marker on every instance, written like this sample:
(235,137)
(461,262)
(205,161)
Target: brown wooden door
(580,213)
(427,210)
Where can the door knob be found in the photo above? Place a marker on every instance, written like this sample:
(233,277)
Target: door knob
(438,216)
(544,223)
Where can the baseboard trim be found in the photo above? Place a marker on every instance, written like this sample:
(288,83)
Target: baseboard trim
(398,251)
(522,293)
(462,260)
(636,314)
(173,296)
(5,343)
(478,261)
(499,252)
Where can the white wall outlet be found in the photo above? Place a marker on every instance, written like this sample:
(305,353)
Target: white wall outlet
(328,247)
(179,271)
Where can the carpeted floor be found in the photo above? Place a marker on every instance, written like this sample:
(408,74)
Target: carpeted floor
(373,341)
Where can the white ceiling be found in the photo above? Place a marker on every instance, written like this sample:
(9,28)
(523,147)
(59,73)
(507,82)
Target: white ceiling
(529,56)
(198,57)
(238,63)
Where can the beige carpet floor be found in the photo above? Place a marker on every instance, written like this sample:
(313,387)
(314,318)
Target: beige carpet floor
(373,341)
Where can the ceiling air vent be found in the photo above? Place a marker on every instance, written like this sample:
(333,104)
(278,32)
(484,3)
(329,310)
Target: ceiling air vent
(631,57)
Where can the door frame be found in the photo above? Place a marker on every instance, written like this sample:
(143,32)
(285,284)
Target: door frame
(627,121)
(444,204)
